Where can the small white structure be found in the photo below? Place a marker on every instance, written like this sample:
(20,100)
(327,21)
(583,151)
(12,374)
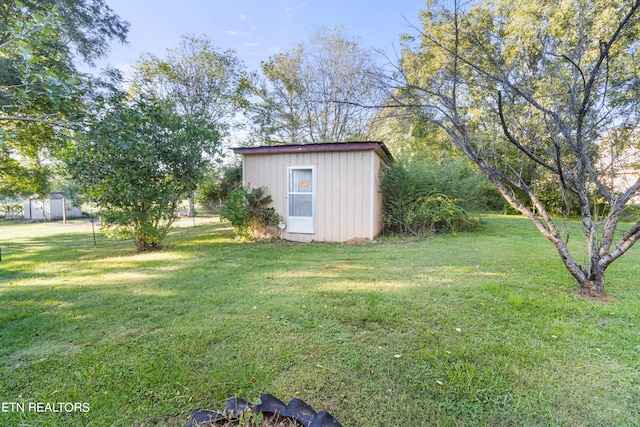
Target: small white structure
(56,206)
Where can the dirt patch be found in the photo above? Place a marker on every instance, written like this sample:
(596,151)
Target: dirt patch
(356,241)
(268,421)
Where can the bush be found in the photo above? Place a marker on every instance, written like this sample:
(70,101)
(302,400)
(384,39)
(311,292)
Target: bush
(217,187)
(249,214)
(414,204)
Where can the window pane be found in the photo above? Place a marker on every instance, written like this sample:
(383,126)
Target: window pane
(301,181)
(300,205)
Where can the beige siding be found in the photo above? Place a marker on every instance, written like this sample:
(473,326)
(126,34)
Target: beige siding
(346,189)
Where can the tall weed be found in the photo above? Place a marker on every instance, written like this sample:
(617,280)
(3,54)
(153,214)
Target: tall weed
(421,198)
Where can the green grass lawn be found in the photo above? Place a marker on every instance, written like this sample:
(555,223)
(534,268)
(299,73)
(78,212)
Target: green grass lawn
(480,329)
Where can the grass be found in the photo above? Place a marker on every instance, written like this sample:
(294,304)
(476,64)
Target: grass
(480,329)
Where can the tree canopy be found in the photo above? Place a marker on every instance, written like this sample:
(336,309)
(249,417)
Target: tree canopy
(42,94)
(315,91)
(138,162)
(538,90)
(196,79)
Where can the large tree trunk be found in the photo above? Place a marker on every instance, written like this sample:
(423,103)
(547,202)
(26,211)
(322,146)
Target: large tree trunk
(594,287)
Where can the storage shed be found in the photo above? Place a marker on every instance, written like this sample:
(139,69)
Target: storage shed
(56,206)
(325,192)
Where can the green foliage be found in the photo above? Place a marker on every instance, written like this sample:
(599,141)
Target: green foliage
(196,79)
(249,214)
(310,93)
(137,164)
(421,197)
(218,186)
(539,94)
(42,95)
(249,418)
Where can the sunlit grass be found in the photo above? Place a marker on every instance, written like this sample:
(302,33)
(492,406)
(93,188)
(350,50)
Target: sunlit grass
(479,329)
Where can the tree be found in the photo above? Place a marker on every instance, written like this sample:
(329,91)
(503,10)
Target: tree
(311,93)
(196,80)
(42,94)
(137,163)
(538,88)
(218,184)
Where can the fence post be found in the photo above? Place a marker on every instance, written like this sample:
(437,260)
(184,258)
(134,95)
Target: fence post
(93,229)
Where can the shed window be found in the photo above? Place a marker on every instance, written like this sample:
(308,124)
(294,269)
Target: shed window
(301,200)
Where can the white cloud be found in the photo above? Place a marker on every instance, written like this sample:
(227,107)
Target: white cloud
(243,16)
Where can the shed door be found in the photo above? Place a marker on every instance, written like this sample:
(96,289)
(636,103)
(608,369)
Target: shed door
(301,200)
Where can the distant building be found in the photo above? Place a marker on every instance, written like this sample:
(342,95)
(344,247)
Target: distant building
(54,207)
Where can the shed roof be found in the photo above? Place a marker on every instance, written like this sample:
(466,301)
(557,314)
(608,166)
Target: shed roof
(51,196)
(379,147)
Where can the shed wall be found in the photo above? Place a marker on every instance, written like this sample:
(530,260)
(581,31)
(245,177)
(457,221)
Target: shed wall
(49,209)
(54,209)
(347,185)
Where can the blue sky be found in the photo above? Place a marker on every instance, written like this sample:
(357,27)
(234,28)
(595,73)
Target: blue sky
(258,29)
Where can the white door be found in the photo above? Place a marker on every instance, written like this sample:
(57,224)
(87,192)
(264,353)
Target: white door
(301,200)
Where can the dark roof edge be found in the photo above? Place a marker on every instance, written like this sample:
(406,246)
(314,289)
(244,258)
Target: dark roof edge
(379,147)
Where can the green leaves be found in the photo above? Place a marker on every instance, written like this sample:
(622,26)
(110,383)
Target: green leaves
(42,95)
(316,91)
(421,198)
(195,79)
(539,94)
(137,163)
(249,213)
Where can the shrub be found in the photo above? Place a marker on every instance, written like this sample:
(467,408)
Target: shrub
(249,214)
(413,203)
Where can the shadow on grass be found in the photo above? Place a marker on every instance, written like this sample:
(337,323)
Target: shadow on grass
(432,329)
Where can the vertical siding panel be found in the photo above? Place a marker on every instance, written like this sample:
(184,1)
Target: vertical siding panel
(311,159)
(374,214)
(278,191)
(317,160)
(372,192)
(334,170)
(375,192)
(342,203)
(352,218)
(364,188)
(341,174)
(362,219)
(360,214)
(351,179)
(282,195)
